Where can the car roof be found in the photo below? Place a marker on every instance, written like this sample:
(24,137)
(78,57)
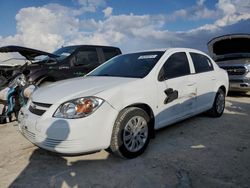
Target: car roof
(89,45)
(168,49)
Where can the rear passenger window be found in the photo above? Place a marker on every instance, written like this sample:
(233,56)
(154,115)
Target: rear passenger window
(86,57)
(109,53)
(176,65)
(201,63)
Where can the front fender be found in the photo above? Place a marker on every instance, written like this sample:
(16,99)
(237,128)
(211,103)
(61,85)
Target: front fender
(132,93)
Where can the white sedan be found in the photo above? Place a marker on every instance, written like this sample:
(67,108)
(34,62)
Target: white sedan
(120,104)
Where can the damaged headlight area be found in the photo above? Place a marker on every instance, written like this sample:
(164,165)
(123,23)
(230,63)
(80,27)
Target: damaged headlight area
(20,81)
(78,108)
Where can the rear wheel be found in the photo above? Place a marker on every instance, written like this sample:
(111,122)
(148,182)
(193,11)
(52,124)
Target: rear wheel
(131,133)
(218,105)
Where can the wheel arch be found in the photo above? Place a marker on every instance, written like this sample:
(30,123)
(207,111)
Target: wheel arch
(216,89)
(213,111)
(150,113)
(223,89)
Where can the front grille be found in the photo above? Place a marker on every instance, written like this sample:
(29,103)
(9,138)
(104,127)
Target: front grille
(29,135)
(236,81)
(36,111)
(42,104)
(235,70)
(38,108)
(53,143)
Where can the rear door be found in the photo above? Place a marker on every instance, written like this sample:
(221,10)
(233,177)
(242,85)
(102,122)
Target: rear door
(204,76)
(176,89)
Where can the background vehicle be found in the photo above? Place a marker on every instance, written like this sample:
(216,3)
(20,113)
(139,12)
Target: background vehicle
(6,72)
(8,69)
(12,67)
(67,62)
(232,53)
(120,103)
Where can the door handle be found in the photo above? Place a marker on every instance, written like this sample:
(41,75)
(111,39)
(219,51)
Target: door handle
(171,95)
(213,78)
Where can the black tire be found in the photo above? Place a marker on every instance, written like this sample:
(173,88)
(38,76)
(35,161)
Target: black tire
(216,111)
(118,145)
(3,120)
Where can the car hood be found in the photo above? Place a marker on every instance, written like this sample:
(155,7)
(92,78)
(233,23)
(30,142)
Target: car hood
(228,47)
(28,53)
(65,90)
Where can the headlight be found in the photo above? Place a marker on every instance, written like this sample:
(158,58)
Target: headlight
(78,108)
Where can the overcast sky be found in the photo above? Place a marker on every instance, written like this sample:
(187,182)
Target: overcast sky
(128,24)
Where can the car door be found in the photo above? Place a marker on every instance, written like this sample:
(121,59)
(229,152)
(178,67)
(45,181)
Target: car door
(176,89)
(205,79)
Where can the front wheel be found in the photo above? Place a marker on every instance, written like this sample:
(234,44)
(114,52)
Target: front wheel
(131,133)
(218,105)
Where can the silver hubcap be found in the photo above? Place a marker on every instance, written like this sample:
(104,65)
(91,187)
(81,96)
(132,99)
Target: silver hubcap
(135,134)
(220,103)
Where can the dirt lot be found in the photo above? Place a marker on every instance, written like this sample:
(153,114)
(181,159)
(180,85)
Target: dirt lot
(198,152)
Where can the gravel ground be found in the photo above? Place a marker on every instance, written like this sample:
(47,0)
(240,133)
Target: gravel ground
(198,152)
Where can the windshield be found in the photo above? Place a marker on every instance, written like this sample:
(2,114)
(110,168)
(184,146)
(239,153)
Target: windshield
(136,65)
(62,53)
